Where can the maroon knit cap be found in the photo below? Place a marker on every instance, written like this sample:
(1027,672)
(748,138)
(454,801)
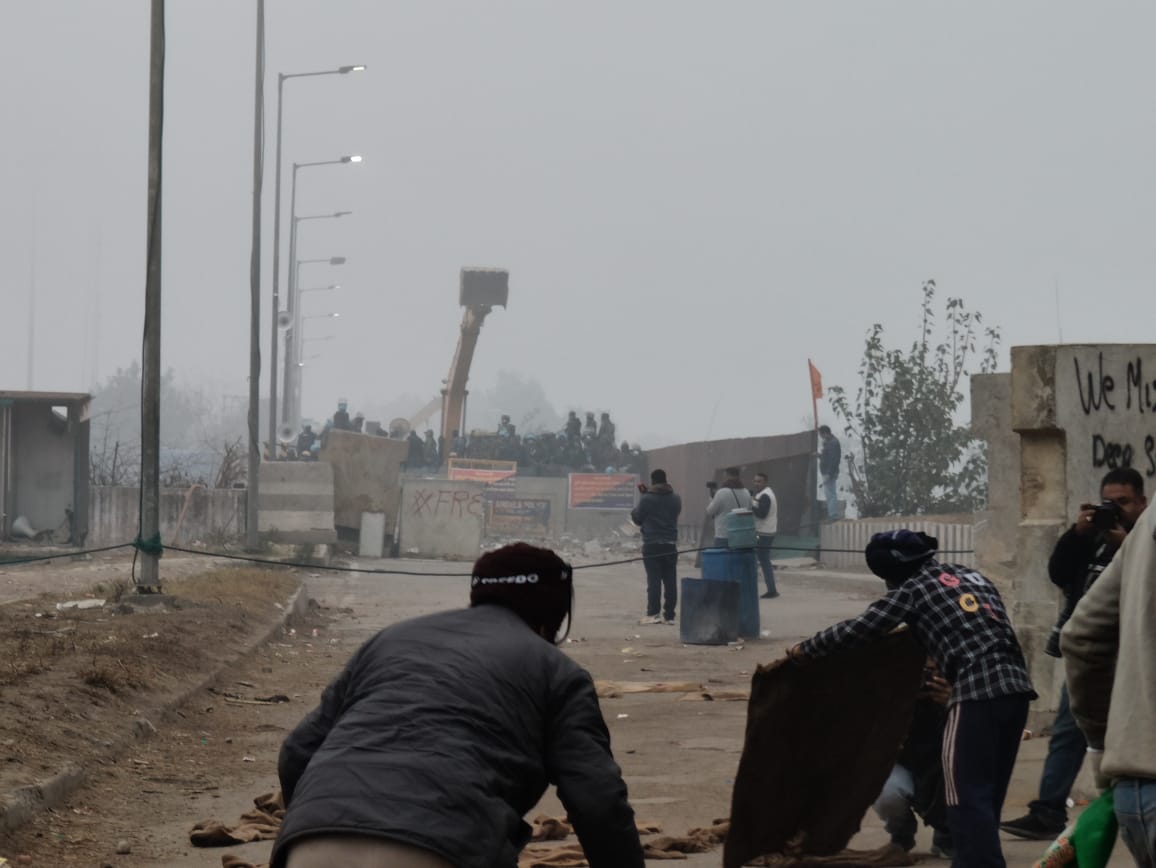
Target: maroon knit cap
(533,582)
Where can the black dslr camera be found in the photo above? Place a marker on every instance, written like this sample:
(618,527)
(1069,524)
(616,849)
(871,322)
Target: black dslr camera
(1106,516)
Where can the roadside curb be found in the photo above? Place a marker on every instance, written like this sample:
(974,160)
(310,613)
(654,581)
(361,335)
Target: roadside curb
(20,805)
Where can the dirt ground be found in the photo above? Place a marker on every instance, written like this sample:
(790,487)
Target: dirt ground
(678,751)
(82,676)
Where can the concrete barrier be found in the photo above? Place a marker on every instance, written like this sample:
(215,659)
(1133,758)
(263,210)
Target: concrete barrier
(441,518)
(852,537)
(295,502)
(366,476)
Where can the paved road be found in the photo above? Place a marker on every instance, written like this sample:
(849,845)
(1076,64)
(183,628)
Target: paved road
(679,757)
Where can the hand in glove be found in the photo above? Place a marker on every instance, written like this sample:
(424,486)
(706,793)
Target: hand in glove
(1095,757)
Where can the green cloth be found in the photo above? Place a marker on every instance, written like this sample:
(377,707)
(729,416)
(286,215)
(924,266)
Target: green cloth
(1087,844)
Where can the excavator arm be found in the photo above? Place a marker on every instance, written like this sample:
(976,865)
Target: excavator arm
(482,289)
(454,394)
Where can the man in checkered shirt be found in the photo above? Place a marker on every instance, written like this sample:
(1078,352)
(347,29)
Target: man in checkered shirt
(959,617)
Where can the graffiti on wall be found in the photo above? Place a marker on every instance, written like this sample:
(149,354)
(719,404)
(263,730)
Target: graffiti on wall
(444,503)
(1119,396)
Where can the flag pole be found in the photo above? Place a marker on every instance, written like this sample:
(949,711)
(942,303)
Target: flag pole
(816,384)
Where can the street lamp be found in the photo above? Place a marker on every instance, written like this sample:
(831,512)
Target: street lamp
(291,403)
(282,77)
(321,316)
(319,288)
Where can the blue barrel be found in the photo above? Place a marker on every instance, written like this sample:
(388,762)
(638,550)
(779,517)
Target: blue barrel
(744,571)
(708,612)
(741,529)
(716,565)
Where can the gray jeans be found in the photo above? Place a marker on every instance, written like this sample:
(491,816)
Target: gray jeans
(359,851)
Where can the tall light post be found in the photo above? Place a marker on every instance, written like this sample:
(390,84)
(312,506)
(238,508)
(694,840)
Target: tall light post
(290,368)
(303,360)
(291,406)
(282,77)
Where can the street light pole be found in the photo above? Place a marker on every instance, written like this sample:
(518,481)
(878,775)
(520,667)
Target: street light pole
(254,464)
(292,398)
(287,414)
(281,79)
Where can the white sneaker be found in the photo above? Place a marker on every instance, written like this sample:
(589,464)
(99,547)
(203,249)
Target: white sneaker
(651,619)
(668,621)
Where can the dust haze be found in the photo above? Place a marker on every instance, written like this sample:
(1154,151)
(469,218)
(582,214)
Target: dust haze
(691,199)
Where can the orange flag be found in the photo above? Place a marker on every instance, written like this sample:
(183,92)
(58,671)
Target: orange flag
(816,381)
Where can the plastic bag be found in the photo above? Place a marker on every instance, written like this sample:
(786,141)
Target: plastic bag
(1088,842)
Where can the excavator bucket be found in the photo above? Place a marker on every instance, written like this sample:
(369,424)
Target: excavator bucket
(484,286)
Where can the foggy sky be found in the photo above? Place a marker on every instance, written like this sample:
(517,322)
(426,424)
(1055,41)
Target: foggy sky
(692,198)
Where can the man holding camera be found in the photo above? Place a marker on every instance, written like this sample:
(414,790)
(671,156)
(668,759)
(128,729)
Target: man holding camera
(1079,557)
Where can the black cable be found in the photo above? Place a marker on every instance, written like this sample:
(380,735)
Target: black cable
(389,572)
(38,558)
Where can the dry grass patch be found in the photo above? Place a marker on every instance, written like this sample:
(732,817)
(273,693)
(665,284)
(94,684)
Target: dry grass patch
(81,674)
(254,587)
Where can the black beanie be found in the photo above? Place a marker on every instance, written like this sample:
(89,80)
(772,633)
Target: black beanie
(533,582)
(658,477)
(897,555)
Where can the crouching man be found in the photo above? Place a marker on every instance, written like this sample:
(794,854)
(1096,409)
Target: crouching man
(443,731)
(915,786)
(959,618)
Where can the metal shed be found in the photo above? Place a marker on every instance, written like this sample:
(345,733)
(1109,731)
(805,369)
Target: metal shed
(44,463)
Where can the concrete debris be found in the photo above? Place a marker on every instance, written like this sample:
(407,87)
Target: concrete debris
(79,604)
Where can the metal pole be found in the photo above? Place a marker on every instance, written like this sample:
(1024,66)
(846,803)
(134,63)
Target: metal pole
(299,324)
(149,541)
(254,470)
(291,305)
(32,308)
(276,281)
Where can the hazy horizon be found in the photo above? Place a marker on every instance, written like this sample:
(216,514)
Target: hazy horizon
(691,199)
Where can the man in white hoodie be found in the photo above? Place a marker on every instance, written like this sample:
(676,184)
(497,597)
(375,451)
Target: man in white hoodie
(1109,646)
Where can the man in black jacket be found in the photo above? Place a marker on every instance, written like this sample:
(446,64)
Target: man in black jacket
(657,514)
(830,457)
(1079,557)
(443,731)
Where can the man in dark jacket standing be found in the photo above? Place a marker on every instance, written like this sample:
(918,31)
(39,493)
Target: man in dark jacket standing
(443,731)
(830,457)
(657,514)
(1079,557)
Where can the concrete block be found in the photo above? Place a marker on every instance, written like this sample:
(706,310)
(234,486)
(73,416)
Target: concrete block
(295,502)
(1033,388)
(372,538)
(442,518)
(366,475)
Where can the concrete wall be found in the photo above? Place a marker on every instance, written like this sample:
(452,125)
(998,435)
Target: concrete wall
(786,459)
(211,516)
(295,502)
(554,490)
(442,519)
(366,476)
(997,527)
(1076,411)
(842,542)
